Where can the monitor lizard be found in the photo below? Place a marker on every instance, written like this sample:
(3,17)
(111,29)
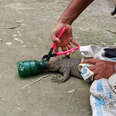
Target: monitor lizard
(66,66)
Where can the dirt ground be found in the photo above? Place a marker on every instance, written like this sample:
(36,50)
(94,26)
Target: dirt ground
(25,27)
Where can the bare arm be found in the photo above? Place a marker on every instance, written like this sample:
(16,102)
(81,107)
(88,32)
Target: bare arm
(74,10)
(69,15)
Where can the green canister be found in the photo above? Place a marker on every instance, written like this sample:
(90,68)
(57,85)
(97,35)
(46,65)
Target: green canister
(31,67)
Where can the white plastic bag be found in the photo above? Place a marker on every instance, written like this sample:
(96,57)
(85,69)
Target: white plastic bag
(103,97)
(95,52)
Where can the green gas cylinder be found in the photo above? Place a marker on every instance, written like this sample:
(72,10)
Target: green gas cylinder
(31,67)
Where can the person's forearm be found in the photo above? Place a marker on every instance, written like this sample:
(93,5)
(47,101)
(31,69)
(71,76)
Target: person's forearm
(74,10)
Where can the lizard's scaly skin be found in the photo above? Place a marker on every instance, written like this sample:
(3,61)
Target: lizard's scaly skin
(66,66)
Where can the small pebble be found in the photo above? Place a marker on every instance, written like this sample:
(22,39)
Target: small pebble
(8,43)
(14,35)
(20,21)
(19,40)
(19,33)
(1,40)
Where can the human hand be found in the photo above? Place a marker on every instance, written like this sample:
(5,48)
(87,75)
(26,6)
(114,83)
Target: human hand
(66,41)
(101,68)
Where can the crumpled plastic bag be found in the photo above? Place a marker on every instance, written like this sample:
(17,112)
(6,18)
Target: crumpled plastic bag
(103,97)
(86,73)
(95,51)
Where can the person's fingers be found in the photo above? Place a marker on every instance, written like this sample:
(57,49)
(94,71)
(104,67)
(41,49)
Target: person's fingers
(64,48)
(74,42)
(54,37)
(56,49)
(69,46)
(56,40)
(97,77)
(90,61)
(92,68)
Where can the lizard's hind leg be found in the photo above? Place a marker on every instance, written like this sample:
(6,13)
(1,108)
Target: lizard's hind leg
(65,77)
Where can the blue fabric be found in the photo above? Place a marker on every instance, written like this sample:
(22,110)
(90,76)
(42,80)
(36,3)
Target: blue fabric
(99,102)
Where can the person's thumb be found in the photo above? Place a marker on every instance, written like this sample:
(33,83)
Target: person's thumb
(57,40)
(54,38)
